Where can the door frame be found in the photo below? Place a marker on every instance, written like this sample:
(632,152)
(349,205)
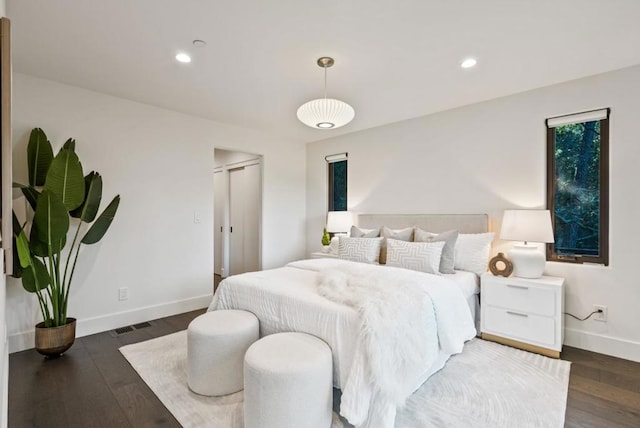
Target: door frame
(226,238)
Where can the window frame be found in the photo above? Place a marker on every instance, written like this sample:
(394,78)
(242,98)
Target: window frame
(603,224)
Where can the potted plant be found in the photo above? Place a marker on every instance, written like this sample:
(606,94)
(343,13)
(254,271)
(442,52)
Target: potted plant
(61,198)
(326,240)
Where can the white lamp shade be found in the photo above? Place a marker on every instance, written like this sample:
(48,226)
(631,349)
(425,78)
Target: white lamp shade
(339,221)
(326,113)
(527,225)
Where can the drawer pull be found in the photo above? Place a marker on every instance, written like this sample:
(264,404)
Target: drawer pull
(522,287)
(517,313)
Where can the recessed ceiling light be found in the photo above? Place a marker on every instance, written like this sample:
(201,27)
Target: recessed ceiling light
(183,57)
(199,43)
(468,63)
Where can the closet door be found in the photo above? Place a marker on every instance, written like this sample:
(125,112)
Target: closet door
(245,206)
(220,197)
(252,208)
(236,220)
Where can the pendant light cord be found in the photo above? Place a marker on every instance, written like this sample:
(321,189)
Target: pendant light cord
(325,81)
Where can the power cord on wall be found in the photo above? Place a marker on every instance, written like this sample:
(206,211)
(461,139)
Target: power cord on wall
(597,311)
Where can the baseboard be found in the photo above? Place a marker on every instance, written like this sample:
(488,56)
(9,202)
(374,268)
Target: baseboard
(602,344)
(84,327)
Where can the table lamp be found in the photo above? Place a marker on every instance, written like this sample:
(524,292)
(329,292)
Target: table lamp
(339,221)
(528,226)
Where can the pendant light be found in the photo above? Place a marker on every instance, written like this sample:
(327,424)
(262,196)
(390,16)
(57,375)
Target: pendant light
(325,113)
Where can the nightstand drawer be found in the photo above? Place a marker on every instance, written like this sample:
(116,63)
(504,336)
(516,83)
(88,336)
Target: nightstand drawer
(521,298)
(519,325)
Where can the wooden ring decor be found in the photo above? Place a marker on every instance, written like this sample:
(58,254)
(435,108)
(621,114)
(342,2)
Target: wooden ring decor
(506,270)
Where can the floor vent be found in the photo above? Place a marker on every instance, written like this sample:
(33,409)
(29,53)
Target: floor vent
(123,330)
(141,325)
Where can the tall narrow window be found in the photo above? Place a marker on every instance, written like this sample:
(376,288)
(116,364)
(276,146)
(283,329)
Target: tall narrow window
(337,168)
(578,187)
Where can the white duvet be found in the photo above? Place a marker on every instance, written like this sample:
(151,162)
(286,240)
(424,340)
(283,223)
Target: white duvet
(387,327)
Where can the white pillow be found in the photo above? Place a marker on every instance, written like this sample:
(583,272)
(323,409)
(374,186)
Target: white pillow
(357,232)
(420,256)
(449,238)
(399,234)
(364,250)
(333,246)
(472,252)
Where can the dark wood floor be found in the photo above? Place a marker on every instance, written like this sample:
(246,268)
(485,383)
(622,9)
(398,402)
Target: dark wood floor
(94,386)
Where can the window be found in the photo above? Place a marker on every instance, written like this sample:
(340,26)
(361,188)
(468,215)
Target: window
(337,182)
(578,187)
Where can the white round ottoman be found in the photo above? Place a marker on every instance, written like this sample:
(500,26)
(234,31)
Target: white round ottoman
(216,344)
(288,382)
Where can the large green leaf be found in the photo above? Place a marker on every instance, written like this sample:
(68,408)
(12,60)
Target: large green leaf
(17,227)
(36,277)
(93,195)
(39,156)
(51,222)
(24,254)
(17,268)
(31,195)
(17,230)
(41,249)
(70,144)
(29,192)
(99,228)
(65,179)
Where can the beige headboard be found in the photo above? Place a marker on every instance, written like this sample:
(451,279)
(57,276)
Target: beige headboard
(465,223)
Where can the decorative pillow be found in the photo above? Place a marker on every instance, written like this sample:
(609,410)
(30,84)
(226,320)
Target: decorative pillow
(448,252)
(364,250)
(333,246)
(398,234)
(472,252)
(420,256)
(357,232)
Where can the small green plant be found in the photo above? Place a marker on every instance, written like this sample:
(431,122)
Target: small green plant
(326,239)
(57,191)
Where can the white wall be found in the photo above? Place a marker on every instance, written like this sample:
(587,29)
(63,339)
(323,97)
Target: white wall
(161,163)
(490,156)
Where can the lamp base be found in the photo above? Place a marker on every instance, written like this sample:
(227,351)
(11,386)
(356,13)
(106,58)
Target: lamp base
(528,261)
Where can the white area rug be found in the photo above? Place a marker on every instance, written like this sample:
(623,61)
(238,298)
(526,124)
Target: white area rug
(488,385)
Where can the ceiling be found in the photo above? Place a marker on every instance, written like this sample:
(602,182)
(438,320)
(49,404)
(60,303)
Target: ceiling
(395,59)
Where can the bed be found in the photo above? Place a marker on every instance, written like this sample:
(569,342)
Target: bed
(288,299)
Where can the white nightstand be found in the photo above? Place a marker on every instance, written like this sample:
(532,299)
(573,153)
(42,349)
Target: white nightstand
(320,255)
(524,313)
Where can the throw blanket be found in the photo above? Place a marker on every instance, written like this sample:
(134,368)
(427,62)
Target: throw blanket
(407,318)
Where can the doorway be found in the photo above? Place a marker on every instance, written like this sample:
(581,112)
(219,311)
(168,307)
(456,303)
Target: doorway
(237,212)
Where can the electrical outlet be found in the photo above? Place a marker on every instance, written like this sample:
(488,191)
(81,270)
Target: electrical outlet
(602,316)
(196,217)
(123,293)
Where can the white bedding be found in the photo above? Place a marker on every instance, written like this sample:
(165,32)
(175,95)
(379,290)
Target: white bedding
(286,299)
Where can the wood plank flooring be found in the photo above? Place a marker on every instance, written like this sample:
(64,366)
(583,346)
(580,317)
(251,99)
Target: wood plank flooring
(94,386)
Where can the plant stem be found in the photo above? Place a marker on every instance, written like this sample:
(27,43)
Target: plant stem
(54,290)
(44,309)
(66,267)
(47,319)
(66,285)
(73,269)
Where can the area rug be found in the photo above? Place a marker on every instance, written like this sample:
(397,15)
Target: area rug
(488,385)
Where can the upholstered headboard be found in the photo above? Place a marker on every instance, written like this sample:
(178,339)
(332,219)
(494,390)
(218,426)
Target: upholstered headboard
(465,223)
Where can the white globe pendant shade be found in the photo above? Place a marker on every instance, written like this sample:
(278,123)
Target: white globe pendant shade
(325,113)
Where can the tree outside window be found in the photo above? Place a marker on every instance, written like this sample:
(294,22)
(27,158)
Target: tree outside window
(577,174)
